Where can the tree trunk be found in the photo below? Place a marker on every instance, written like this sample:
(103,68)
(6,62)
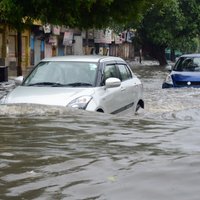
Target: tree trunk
(157,52)
(19,53)
(173,57)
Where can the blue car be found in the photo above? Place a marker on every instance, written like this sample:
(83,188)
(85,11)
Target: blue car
(185,73)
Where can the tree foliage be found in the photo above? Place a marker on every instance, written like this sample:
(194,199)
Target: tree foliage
(73,13)
(172,24)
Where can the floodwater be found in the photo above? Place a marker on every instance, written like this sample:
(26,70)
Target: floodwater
(51,153)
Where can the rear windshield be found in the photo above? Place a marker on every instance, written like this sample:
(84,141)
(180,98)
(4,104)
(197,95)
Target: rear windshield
(187,64)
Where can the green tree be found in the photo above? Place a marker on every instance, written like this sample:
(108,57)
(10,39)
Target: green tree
(173,24)
(73,13)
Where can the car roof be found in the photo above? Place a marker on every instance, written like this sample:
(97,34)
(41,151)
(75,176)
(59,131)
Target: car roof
(84,58)
(191,55)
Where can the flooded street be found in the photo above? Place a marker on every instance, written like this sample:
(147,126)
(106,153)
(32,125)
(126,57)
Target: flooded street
(51,153)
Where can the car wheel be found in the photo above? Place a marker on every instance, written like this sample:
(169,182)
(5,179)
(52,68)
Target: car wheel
(100,110)
(137,107)
(140,104)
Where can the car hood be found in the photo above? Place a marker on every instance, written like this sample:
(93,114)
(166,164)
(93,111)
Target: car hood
(186,79)
(46,95)
(186,76)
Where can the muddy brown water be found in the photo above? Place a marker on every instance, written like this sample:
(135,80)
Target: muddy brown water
(51,153)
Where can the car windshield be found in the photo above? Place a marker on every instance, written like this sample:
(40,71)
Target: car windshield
(62,73)
(188,64)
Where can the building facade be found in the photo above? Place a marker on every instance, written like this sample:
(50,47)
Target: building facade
(8,47)
(40,41)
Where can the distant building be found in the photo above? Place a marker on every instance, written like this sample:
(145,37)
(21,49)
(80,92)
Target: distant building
(40,41)
(8,47)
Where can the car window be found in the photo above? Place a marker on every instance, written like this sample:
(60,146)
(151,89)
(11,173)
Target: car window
(110,71)
(188,64)
(125,73)
(196,64)
(63,72)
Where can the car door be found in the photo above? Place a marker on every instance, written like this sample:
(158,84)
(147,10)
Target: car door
(129,93)
(111,99)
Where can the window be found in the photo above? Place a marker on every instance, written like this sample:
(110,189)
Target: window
(125,73)
(109,71)
(188,64)
(63,72)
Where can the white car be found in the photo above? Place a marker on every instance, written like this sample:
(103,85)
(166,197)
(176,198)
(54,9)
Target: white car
(94,83)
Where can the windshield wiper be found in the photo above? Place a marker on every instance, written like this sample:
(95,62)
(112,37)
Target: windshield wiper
(45,84)
(52,84)
(78,84)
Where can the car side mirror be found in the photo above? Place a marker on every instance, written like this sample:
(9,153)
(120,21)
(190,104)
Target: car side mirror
(18,80)
(168,68)
(112,82)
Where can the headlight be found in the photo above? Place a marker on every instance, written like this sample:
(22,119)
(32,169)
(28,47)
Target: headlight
(168,80)
(80,103)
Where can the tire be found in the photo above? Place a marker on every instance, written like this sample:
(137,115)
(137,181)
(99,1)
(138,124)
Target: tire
(137,108)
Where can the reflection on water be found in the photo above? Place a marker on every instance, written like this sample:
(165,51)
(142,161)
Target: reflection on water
(55,153)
